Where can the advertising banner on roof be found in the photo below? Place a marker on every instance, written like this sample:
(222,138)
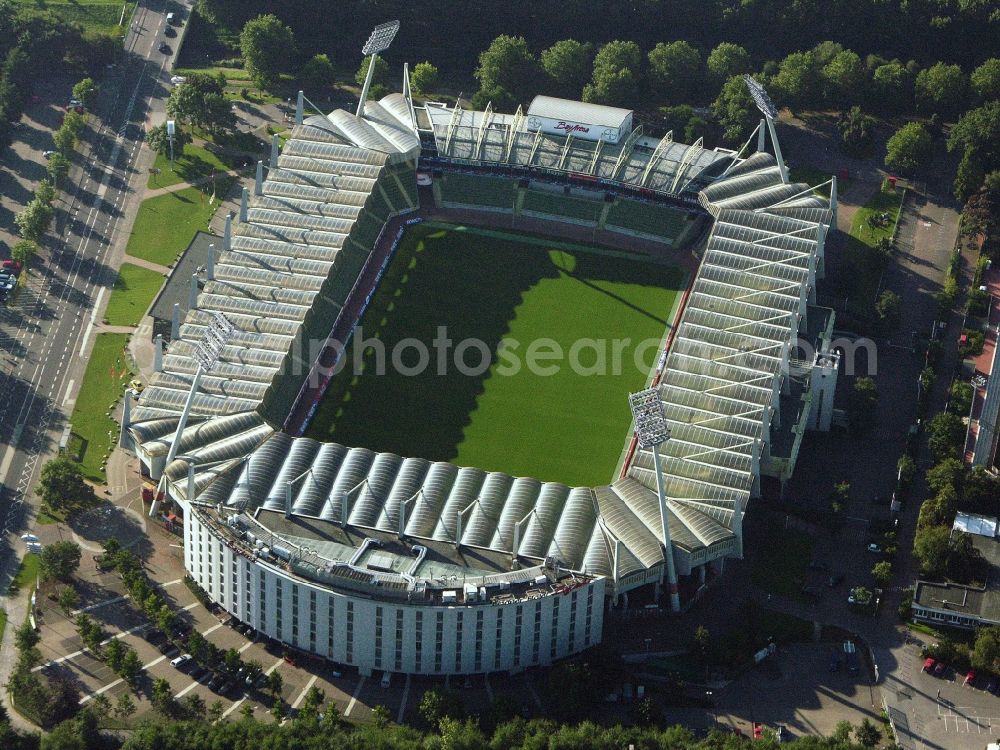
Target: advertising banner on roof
(579,130)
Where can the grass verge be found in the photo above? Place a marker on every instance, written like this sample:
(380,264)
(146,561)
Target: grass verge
(194,163)
(515,297)
(132,295)
(165,224)
(3,622)
(27,574)
(94,15)
(103,384)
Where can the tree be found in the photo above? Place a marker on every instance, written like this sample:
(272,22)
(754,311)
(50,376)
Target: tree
(946,435)
(26,637)
(986,652)
(162,696)
(941,89)
(34,220)
(977,137)
(253,669)
(62,487)
(675,72)
(727,60)
(882,572)
(24,251)
(910,149)
(131,666)
(275,683)
(232,661)
(867,733)
(857,131)
(507,73)
(198,646)
(985,80)
(45,192)
(568,63)
(317,75)
(58,168)
(930,548)
(215,711)
(616,76)
(64,141)
(844,78)
(194,707)
(424,78)
(59,561)
(157,140)
(887,308)
(86,91)
(68,599)
(278,711)
(735,111)
(124,706)
(861,409)
(701,645)
(114,652)
(946,473)
(892,88)
(266,45)
(199,101)
(380,77)
(797,83)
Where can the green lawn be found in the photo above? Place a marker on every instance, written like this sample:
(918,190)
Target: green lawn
(535,295)
(780,560)
(862,267)
(132,295)
(103,384)
(165,224)
(192,164)
(3,622)
(93,15)
(27,574)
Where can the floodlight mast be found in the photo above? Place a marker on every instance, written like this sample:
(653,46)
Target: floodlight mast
(206,353)
(652,431)
(770,112)
(379,41)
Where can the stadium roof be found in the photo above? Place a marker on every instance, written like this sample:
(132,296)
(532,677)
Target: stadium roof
(720,386)
(638,161)
(567,109)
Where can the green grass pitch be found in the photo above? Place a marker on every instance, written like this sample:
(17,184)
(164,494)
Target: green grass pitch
(569,426)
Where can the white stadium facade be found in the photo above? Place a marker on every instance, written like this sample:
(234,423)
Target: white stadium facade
(402,565)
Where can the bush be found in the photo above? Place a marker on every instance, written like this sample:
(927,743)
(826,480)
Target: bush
(974,341)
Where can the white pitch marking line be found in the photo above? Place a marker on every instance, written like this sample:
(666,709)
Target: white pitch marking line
(302,695)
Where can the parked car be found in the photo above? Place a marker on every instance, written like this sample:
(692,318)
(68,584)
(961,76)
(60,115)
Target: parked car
(939,669)
(154,636)
(14,266)
(874,548)
(929,663)
(177,80)
(48,154)
(170,31)
(835,660)
(168,649)
(136,385)
(29,538)
(970,677)
(782,733)
(164,48)
(180,661)
(758,730)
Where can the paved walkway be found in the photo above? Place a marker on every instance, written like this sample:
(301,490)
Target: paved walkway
(156,192)
(142,263)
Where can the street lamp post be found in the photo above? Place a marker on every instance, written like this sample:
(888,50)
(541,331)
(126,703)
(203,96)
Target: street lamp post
(171,132)
(652,431)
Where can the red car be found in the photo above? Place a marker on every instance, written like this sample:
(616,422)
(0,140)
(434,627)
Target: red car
(970,677)
(12,265)
(929,664)
(758,730)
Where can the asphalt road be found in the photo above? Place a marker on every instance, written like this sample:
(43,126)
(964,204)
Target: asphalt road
(48,331)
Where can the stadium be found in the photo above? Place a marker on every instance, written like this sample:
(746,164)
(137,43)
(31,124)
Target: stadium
(425,561)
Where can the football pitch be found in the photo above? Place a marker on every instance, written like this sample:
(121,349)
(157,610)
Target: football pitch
(502,351)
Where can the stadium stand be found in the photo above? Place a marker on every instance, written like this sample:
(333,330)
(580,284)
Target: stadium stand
(476,190)
(646,218)
(566,207)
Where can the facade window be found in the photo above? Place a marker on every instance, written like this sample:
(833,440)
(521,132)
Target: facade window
(537,640)
(398,660)
(572,619)
(458,641)
(295,614)
(312,620)
(499,639)
(479,641)
(438,641)
(555,628)
(279,593)
(518,620)
(378,636)
(329,627)
(263,601)
(350,632)
(590,613)
(418,646)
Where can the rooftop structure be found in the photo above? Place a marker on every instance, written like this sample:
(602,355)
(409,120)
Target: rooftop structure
(964,606)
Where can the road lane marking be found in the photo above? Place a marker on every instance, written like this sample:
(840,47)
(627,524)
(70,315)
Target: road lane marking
(98,605)
(302,695)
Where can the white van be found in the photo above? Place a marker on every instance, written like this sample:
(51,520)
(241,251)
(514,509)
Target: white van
(170,18)
(386,679)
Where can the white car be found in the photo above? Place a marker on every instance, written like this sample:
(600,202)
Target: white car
(180,660)
(34,548)
(48,154)
(177,79)
(29,538)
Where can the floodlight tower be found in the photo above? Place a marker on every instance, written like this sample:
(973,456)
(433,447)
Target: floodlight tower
(652,431)
(379,41)
(206,352)
(770,112)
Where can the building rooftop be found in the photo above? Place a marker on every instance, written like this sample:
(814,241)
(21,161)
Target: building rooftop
(982,602)
(566,109)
